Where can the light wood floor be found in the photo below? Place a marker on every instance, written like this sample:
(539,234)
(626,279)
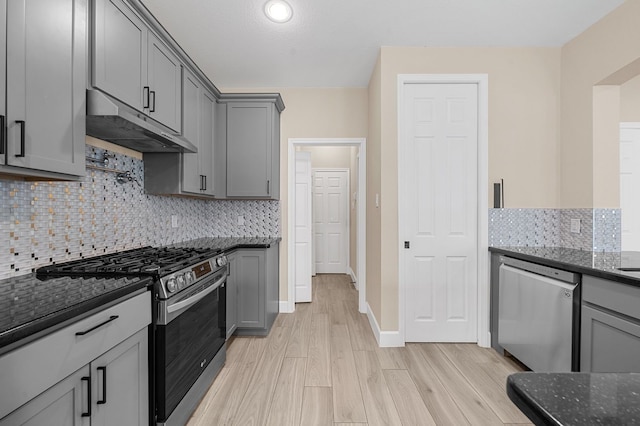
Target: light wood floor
(321,366)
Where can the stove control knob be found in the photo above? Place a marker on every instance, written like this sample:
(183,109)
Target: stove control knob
(189,277)
(171,285)
(180,281)
(221,261)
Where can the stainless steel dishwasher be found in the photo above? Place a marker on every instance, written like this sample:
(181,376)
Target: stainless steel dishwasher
(539,315)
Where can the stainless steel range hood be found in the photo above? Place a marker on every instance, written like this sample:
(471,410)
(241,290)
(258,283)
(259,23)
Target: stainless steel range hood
(115,122)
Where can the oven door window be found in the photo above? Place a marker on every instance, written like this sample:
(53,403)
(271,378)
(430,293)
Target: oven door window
(185,346)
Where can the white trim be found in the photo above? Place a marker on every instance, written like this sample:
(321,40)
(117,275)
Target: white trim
(385,339)
(362,216)
(347,253)
(354,279)
(285,308)
(482,80)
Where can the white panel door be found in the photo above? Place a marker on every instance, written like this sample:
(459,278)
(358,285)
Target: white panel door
(303,223)
(629,184)
(439,221)
(330,216)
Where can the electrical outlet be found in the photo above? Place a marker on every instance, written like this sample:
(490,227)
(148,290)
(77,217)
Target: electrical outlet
(240,220)
(575,226)
(174,220)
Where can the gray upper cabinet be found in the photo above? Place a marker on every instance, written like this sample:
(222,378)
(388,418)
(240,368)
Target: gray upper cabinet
(164,73)
(183,173)
(610,326)
(131,64)
(119,49)
(191,129)
(253,150)
(44,86)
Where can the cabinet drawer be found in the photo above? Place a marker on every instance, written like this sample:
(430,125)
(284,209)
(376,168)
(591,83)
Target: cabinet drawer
(617,297)
(33,368)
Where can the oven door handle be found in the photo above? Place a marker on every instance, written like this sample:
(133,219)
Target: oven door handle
(196,297)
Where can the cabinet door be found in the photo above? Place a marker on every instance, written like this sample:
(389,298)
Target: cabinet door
(164,72)
(232,297)
(46,84)
(191,92)
(120,53)
(250,279)
(120,384)
(609,343)
(62,405)
(3,80)
(206,144)
(249,138)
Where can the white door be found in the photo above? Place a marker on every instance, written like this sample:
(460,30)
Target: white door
(438,219)
(303,223)
(330,217)
(629,184)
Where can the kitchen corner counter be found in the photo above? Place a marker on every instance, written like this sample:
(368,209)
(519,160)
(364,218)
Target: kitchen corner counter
(228,244)
(577,398)
(598,264)
(31,307)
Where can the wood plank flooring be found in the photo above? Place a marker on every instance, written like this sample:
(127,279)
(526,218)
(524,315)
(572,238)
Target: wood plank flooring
(321,366)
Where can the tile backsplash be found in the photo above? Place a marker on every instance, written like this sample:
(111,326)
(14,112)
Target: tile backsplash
(599,228)
(44,222)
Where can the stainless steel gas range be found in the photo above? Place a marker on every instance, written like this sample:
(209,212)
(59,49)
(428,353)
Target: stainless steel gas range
(189,319)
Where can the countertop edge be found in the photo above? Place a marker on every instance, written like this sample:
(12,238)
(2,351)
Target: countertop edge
(529,407)
(14,338)
(571,267)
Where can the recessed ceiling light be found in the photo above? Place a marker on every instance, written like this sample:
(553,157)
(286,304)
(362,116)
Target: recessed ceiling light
(278,11)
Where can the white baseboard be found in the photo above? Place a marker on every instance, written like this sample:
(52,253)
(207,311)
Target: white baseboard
(353,277)
(385,339)
(285,308)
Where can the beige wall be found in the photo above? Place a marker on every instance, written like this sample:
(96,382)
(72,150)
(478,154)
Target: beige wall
(524,86)
(374,172)
(605,54)
(329,156)
(312,113)
(630,101)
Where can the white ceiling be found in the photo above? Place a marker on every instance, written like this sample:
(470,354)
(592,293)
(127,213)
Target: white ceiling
(335,43)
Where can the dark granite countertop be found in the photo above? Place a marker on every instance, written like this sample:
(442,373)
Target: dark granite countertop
(228,244)
(580,399)
(29,305)
(599,264)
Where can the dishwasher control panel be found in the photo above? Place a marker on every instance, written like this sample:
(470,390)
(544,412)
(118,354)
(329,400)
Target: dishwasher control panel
(547,271)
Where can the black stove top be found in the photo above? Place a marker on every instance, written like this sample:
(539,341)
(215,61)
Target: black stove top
(145,261)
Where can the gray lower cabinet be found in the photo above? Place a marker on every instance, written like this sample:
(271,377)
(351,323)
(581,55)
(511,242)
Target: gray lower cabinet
(133,65)
(184,173)
(119,392)
(62,404)
(44,56)
(92,372)
(232,296)
(253,150)
(256,278)
(610,326)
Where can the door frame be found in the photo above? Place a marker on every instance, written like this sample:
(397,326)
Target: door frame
(348,215)
(361,248)
(482,81)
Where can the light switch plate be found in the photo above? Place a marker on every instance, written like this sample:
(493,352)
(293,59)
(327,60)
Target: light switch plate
(174,220)
(240,220)
(575,226)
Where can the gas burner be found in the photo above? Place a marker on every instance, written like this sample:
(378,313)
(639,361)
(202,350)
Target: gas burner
(174,268)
